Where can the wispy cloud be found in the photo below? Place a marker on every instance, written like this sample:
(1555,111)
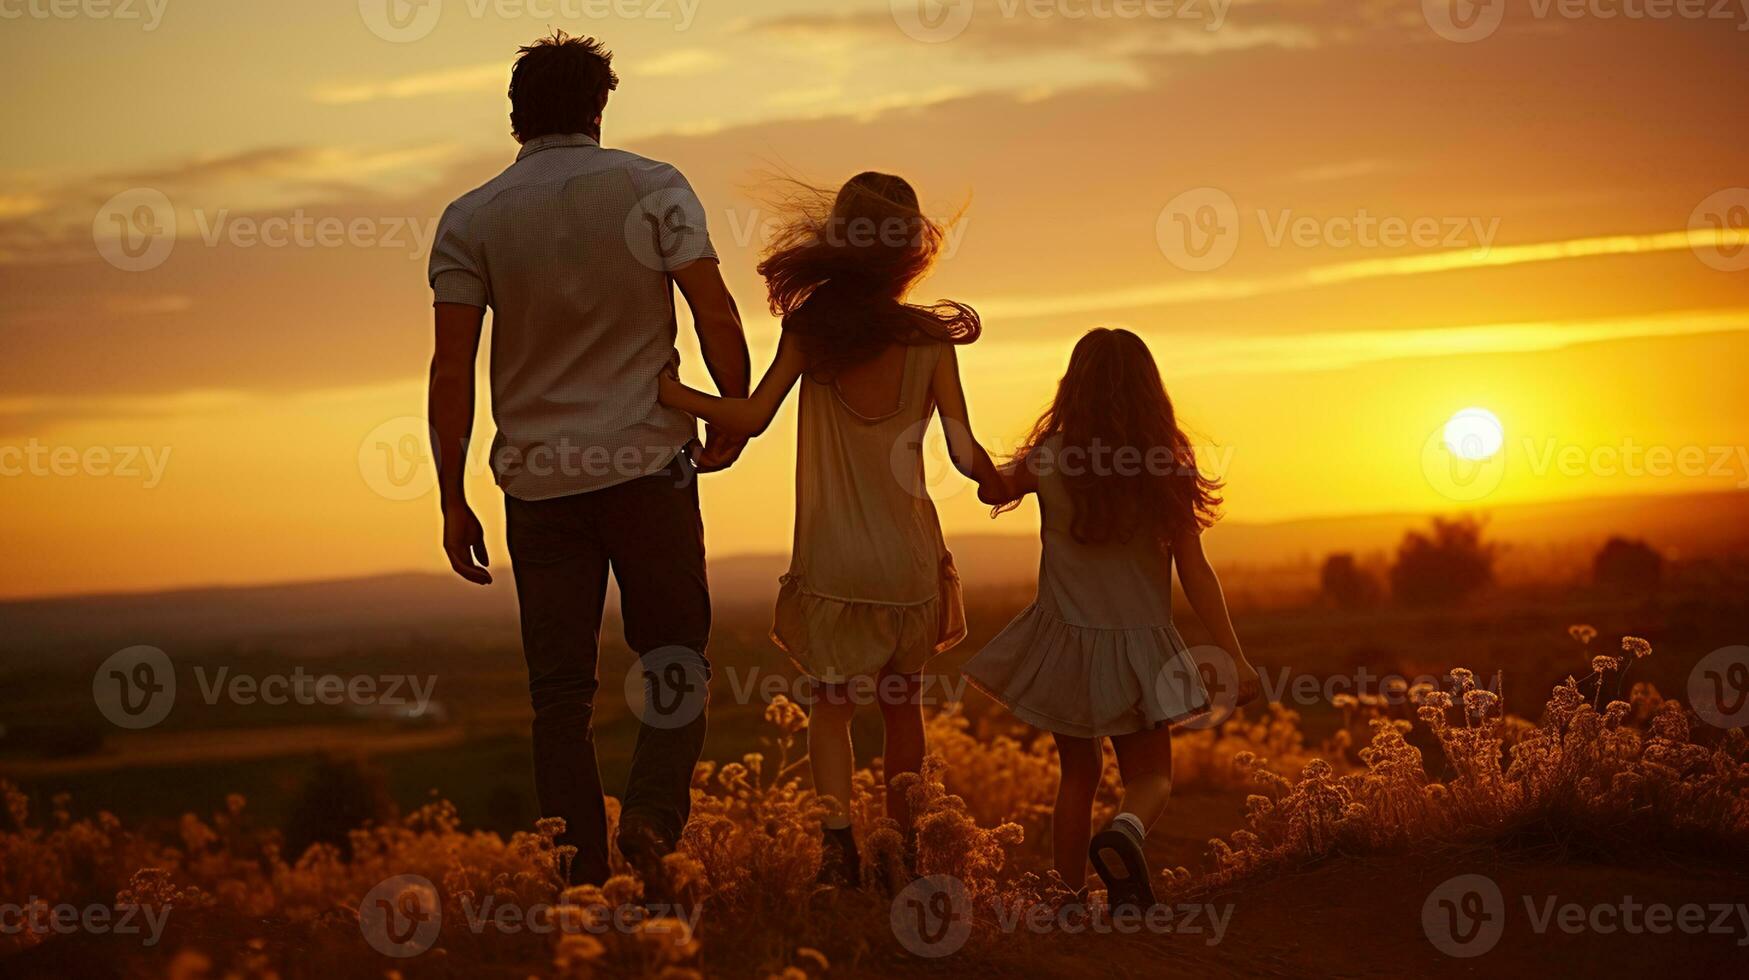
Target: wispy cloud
(1224,354)
(1209,287)
(449,81)
(492,76)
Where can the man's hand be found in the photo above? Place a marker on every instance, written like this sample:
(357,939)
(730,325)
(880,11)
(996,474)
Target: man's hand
(720,451)
(464,541)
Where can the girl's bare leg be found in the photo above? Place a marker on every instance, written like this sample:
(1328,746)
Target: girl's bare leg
(1145,760)
(830,755)
(900,698)
(1072,820)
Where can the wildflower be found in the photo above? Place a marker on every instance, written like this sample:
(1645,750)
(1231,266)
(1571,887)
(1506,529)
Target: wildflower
(1582,632)
(1636,646)
(1604,662)
(1480,702)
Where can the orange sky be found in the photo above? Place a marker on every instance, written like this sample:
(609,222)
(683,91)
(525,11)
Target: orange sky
(218,413)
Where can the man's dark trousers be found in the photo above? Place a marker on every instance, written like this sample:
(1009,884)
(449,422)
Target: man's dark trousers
(649,532)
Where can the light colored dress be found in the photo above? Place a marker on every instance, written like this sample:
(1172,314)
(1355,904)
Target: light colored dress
(871,583)
(1096,653)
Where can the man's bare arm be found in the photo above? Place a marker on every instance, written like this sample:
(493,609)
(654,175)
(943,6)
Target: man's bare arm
(724,345)
(450,406)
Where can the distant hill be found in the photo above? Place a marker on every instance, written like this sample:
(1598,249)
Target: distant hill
(414,606)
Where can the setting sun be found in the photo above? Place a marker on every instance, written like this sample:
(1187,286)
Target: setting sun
(1474,434)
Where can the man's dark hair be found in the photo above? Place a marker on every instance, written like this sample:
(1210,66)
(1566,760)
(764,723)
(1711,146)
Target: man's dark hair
(559,84)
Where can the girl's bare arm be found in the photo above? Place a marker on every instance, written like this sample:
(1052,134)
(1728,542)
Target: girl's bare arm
(968,455)
(742,417)
(1203,588)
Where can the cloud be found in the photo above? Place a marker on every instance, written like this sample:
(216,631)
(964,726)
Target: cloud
(495,75)
(1029,28)
(43,223)
(449,81)
(1231,288)
(1196,355)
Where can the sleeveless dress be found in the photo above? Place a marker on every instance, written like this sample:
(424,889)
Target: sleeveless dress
(1096,654)
(871,583)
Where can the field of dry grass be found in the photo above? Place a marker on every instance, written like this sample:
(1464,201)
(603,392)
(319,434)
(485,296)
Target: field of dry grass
(1605,791)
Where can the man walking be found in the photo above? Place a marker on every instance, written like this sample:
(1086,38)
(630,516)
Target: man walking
(576,249)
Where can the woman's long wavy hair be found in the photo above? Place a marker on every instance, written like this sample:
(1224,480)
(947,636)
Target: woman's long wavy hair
(1111,406)
(837,273)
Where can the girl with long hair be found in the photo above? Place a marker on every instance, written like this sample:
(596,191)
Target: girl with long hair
(872,593)
(1096,655)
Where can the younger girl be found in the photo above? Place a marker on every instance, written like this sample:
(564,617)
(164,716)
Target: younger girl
(871,593)
(1096,655)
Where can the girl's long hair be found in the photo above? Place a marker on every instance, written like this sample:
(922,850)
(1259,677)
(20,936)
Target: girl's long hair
(1111,406)
(838,271)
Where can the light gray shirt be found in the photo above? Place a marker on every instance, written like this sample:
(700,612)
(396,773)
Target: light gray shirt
(572,248)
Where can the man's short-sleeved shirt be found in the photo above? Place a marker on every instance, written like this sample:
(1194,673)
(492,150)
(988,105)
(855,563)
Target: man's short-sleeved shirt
(572,248)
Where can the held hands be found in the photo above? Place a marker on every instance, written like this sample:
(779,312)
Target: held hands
(720,451)
(464,542)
